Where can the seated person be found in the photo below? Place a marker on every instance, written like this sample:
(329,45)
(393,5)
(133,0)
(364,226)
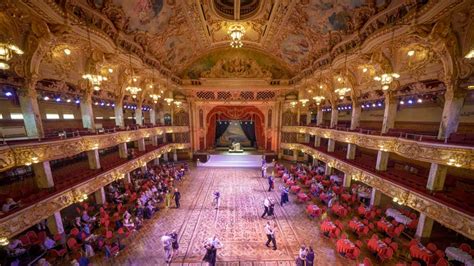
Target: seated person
(15,248)
(48,243)
(9,205)
(86,218)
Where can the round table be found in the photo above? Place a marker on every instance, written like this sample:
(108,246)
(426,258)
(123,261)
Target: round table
(459,255)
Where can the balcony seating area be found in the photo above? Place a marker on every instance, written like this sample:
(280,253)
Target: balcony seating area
(372,235)
(65,175)
(95,233)
(458,193)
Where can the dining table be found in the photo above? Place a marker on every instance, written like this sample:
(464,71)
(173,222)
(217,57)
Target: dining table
(457,254)
(346,197)
(384,225)
(398,216)
(328,226)
(313,210)
(377,245)
(344,246)
(356,225)
(302,197)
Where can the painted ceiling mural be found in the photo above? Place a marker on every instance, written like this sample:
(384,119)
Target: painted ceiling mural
(238,63)
(179,32)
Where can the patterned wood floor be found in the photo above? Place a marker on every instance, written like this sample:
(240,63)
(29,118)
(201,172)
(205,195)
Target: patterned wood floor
(237,224)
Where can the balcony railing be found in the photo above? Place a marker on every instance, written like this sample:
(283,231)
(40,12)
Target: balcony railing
(34,152)
(444,214)
(432,152)
(21,220)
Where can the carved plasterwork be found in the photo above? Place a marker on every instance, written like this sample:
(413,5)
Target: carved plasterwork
(449,217)
(237,68)
(16,223)
(25,154)
(423,151)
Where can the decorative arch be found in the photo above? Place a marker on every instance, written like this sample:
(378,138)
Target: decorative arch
(233,112)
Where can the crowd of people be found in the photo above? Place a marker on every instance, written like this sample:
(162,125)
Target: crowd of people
(98,230)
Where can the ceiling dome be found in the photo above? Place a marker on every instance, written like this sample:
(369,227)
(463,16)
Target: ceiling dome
(228,8)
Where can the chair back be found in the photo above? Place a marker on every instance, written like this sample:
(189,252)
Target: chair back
(442,262)
(431,247)
(367,262)
(465,247)
(71,243)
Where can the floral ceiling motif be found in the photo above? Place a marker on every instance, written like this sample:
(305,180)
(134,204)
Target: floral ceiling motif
(297,32)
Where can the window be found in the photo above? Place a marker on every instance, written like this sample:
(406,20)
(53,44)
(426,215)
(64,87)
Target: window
(99,117)
(52,116)
(112,117)
(68,116)
(16,116)
(1,116)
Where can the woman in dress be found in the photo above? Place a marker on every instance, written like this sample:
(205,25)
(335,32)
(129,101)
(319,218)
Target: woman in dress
(168,199)
(310,256)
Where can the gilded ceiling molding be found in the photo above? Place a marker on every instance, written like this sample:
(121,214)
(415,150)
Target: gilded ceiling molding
(445,215)
(18,222)
(26,154)
(444,154)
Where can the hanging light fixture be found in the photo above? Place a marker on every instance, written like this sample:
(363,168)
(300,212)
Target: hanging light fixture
(155,97)
(318,99)
(169,94)
(345,87)
(94,78)
(236,32)
(133,88)
(387,78)
(7,50)
(302,95)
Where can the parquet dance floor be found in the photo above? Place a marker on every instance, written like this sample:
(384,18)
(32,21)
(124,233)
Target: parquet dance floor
(237,224)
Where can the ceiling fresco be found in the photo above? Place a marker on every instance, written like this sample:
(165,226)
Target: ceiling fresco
(242,63)
(296,32)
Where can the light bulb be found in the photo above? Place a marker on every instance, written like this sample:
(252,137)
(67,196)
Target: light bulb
(67,51)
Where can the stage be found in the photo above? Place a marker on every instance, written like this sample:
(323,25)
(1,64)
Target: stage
(247,159)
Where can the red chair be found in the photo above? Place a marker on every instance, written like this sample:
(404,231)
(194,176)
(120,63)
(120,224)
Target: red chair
(74,232)
(73,245)
(122,233)
(371,226)
(367,262)
(440,253)
(387,241)
(442,262)
(25,241)
(354,254)
(42,236)
(432,247)
(358,243)
(33,237)
(58,237)
(465,247)
(54,253)
(387,255)
(415,263)
(394,246)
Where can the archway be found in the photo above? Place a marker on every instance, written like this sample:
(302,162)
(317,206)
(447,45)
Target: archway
(235,113)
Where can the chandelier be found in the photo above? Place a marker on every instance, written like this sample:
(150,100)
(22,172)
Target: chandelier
(342,91)
(318,99)
(236,32)
(385,79)
(155,97)
(134,90)
(6,53)
(95,80)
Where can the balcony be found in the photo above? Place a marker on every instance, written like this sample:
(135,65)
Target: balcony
(70,186)
(426,151)
(453,216)
(33,151)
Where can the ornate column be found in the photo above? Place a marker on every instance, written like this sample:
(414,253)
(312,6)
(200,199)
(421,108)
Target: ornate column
(118,112)
(43,176)
(175,155)
(139,113)
(425,226)
(453,103)
(334,116)
(165,156)
(295,156)
(99,196)
(86,110)
(93,158)
(382,160)
(154,140)
(123,150)
(376,197)
(331,145)
(351,151)
(390,111)
(128,178)
(346,182)
(355,115)
(436,177)
(317,141)
(55,223)
(153,115)
(141,144)
(319,116)
(328,169)
(29,107)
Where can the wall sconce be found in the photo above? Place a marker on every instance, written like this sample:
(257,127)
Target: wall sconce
(4,241)
(452,162)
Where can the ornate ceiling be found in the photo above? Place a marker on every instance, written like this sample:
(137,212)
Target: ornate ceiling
(295,32)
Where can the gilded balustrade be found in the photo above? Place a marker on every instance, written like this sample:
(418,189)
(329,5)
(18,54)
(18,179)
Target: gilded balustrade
(19,221)
(28,153)
(445,215)
(453,155)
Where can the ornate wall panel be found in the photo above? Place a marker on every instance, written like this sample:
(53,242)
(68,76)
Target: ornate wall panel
(25,154)
(443,214)
(16,223)
(459,156)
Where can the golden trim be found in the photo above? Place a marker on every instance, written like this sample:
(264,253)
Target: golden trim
(26,154)
(19,221)
(445,215)
(459,156)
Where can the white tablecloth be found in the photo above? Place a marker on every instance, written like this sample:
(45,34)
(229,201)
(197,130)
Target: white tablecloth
(457,254)
(364,195)
(335,178)
(398,216)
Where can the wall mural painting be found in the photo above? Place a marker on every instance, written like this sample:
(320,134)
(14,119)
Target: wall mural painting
(258,62)
(313,22)
(151,16)
(233,133)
